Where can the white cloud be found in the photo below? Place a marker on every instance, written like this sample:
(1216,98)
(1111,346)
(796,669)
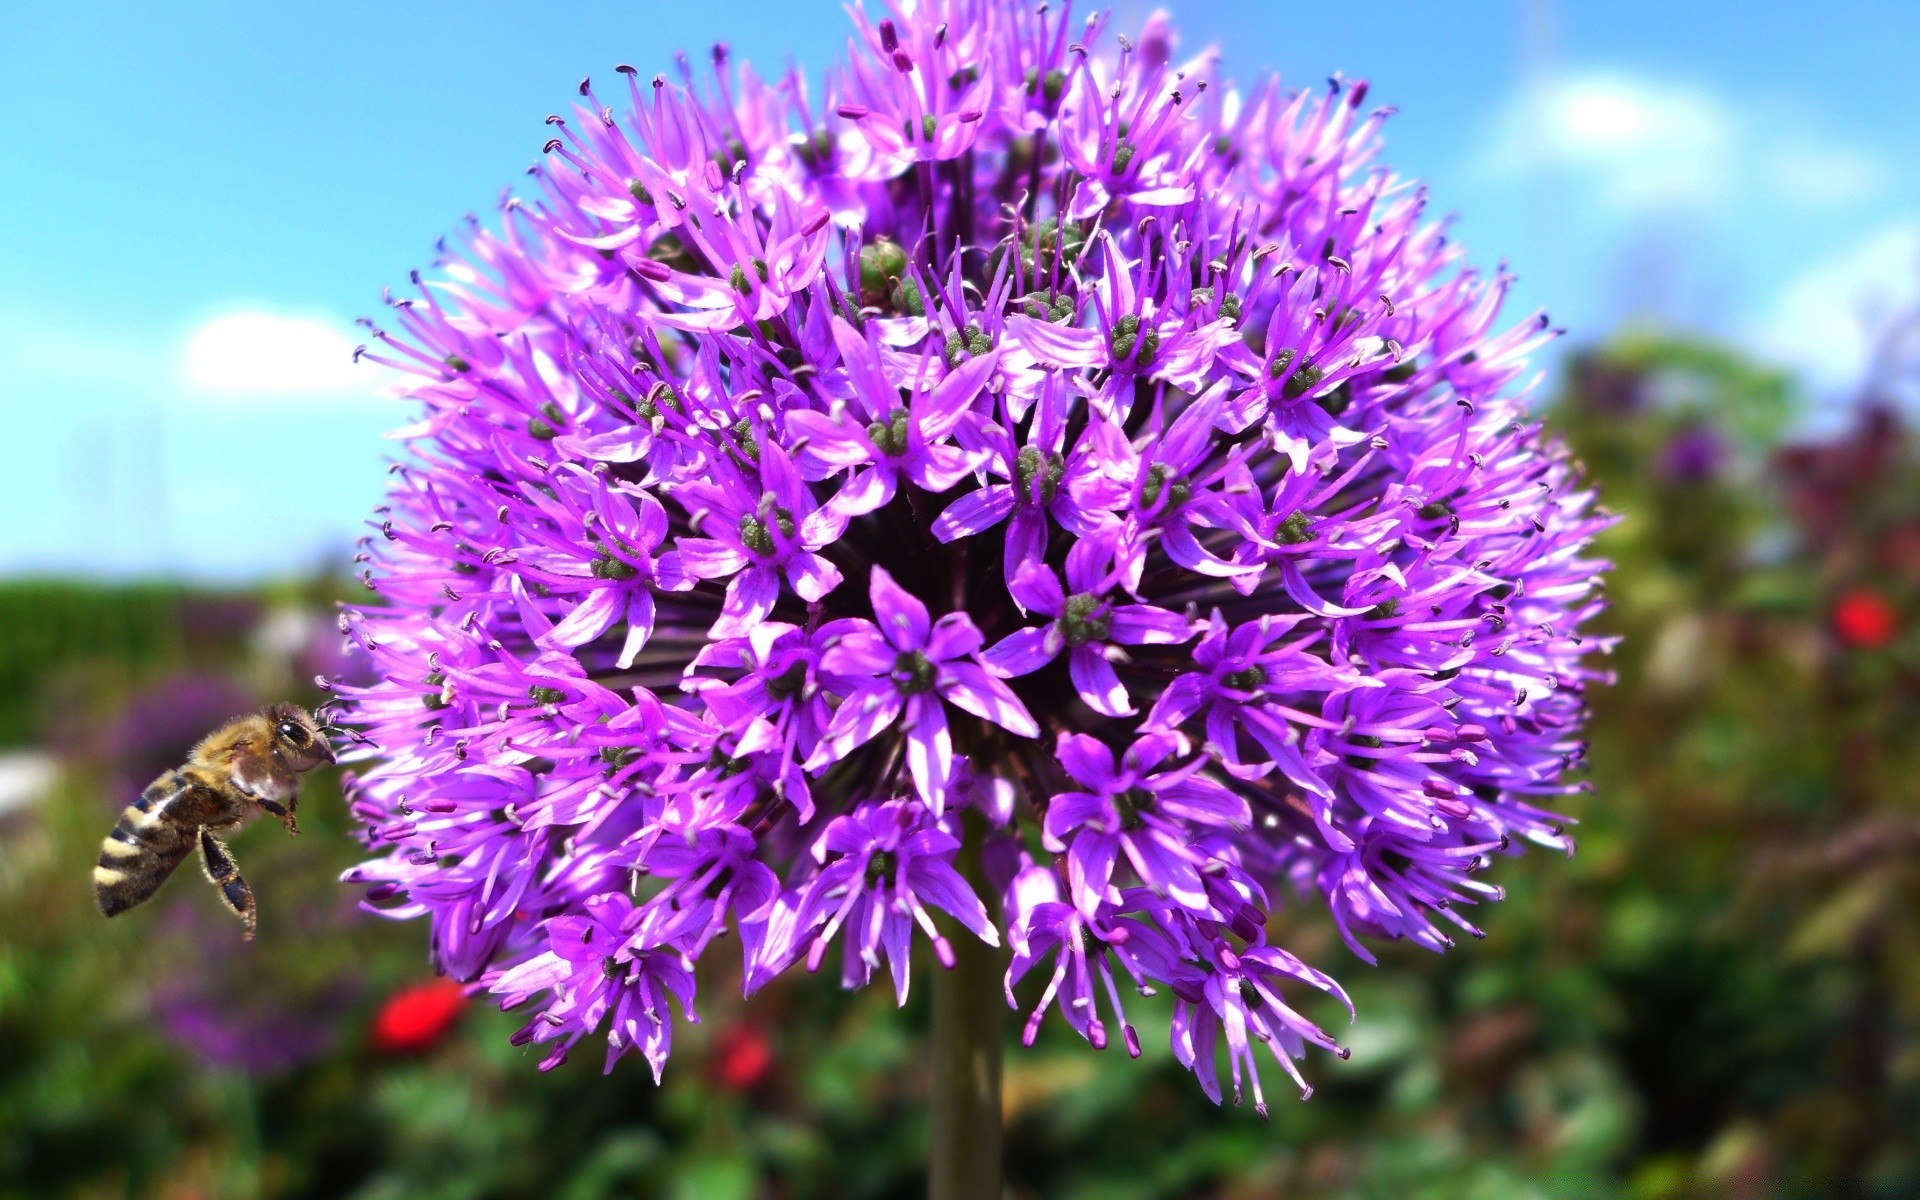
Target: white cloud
(1830,319)
(1645,145)
(1640,145)
(261,353)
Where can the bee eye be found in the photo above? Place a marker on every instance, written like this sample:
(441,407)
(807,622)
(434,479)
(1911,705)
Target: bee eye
(293,733)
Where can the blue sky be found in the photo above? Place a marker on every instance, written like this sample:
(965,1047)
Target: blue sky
(207,192)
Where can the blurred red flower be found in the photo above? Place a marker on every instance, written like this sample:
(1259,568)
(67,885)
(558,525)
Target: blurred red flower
(1864,620)
(742,1056)
(415,1019)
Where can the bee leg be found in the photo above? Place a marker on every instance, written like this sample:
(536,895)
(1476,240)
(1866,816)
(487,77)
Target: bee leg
(224,874)
(285,813)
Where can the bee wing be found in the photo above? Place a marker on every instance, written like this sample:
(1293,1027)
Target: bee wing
(262,777)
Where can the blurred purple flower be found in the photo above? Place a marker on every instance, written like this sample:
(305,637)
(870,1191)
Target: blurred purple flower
(158,725)
(795,478)
(224,1001)
(1693,455)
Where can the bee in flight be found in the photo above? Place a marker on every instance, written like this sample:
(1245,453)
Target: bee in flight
(252,763)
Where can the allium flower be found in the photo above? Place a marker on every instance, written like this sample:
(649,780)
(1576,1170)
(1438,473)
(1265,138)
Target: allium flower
(1027,434)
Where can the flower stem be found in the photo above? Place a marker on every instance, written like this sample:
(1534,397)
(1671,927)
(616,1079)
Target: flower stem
(964,1163)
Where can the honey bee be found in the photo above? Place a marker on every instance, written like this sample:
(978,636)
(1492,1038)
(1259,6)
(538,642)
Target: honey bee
(251,764)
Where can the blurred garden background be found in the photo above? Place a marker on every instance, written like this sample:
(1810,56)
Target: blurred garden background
(1718,996)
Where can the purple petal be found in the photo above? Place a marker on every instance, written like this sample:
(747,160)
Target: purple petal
(812,576)
(1090,867)
(943,408)
(1095,680)
(1144,625)
(1037,589)
(858,719)
(1059,345)
(836,442)
(863,369)
(1304,595)
(865,492)
(1162,867)
(704,558)
(899,614)
(532,619)
(974,512)
(938,468)
(639,626)
(1182,548)
(1086,564)
(937,883)
(620,446)
(1190,436)
(1026,536)
(1068,811)
(929,751)
(970,687)
(1023,652)
(1088,760)
(589,619)
(1198,798)
(954,636)
(750,598)
(859,650)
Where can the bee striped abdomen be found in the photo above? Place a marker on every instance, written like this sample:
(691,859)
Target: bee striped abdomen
(143,848)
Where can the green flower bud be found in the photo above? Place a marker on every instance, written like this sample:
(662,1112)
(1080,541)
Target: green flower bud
(882,261)
(1049,469)
(609,567)
(1293,530)
(907,299)
(890,436)
(1082,620)
(1303,381)
(743,433)
(1178,490)
(1248,680)
(913,673)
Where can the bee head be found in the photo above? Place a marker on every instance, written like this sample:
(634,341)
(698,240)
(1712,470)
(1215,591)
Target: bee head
(299,736)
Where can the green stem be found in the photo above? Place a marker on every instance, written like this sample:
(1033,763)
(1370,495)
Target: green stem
(967,1006)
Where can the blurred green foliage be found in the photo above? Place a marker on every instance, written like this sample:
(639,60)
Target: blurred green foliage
(56,629)
(1718,995)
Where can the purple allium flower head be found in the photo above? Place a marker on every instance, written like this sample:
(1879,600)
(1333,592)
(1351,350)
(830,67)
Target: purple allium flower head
(1026,435)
